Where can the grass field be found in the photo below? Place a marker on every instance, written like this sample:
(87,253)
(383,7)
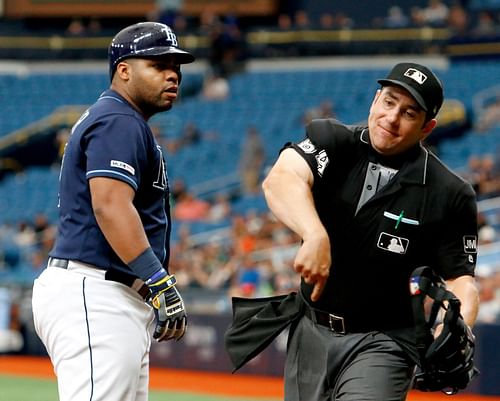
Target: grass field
(13,388)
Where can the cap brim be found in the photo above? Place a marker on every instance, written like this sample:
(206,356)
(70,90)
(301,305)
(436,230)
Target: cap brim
(181,56)
(413,92)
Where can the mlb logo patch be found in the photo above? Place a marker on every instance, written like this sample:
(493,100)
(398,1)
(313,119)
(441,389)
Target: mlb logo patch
(416,75)
(391,243)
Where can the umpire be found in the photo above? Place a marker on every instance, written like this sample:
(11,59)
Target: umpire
(371,204)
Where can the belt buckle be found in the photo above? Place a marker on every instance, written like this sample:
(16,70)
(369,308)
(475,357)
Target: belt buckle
(334,320)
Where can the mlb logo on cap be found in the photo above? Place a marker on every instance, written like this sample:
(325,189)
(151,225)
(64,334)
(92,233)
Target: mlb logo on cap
(416,75)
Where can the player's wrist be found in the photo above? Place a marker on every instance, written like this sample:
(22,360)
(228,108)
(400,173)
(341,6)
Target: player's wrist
(147,265)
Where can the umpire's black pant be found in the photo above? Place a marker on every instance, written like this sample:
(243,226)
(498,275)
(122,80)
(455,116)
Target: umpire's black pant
(324,366)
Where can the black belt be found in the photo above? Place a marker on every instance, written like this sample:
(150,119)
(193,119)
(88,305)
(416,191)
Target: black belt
(110,275)
(335,323)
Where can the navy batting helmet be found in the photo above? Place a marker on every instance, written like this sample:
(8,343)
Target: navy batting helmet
(145,39)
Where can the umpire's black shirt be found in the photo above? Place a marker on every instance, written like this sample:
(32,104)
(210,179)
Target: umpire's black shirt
(423,215)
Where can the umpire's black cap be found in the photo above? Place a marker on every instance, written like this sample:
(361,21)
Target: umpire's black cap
(422,84)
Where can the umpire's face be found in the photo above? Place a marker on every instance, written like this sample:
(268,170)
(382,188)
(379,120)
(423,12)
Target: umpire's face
(396,121)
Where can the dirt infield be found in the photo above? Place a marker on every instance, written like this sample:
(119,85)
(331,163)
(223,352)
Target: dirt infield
(204,382)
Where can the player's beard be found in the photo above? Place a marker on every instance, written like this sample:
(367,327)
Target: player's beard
(152,105)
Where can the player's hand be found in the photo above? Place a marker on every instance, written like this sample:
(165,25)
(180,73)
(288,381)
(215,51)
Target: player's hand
(168,306)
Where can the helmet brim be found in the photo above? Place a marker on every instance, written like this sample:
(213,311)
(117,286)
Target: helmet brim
(180,56)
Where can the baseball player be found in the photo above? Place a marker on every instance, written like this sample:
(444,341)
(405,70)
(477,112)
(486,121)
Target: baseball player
(370,204)
(107,277)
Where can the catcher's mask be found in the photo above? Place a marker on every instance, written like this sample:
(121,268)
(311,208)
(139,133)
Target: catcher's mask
(446,362)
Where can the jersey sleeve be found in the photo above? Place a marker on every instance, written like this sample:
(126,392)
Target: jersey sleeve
(324,140)
(457,253)
(116,148)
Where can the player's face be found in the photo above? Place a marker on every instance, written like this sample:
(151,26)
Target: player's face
(153,84)
(396,121)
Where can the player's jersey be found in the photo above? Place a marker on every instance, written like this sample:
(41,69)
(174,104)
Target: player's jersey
(111,139)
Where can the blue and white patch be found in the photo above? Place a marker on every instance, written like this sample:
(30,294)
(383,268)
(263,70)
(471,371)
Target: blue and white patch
(307,146)
(414,285)
(123,166)
(470,244)
(391,243)
(322,161)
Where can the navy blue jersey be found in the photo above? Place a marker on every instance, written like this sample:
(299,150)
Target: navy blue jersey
(111,139)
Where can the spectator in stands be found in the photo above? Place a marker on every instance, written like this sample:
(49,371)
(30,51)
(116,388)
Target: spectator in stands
(489,182)
(486,25)
(76,27)
(284,281)
(474,171)
(489,293)
(458,20)
(252,158)
(11,326)
(215,87)
(190,208)
(25,235)
(343,21)
(396,18)
(325,109)
(61,139)
(490,116)
(284,22)
(178,190)
(190,135)
(247,279)
(244,240)
(167,12)
(226,42)
(435,14)
(41,227)
(220,209)
(484,175)
(94,27)
(326,21)
(301,20)
(486,232)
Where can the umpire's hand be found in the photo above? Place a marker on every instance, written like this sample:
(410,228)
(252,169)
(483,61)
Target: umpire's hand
(313,262)
(170,314)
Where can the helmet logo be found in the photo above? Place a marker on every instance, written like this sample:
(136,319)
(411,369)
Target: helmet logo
(170,36)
